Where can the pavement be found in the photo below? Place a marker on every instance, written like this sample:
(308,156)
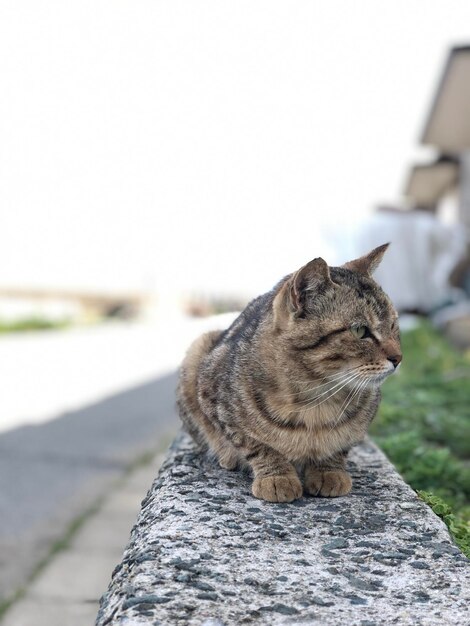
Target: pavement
(78,410)
(53,473)
(48,373)
(67,590)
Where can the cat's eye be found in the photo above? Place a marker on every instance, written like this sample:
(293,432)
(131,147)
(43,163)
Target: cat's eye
(360,332)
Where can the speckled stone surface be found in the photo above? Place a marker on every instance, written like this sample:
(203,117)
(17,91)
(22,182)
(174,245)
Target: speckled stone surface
(205,552)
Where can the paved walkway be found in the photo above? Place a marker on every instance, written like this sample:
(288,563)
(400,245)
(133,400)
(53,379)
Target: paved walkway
(67,590)
(51,474)
(95,402)
(64,371)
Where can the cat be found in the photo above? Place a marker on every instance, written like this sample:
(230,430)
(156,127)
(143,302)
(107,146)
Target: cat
(294,382)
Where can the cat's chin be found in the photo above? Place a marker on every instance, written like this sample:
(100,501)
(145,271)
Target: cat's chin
(377,379)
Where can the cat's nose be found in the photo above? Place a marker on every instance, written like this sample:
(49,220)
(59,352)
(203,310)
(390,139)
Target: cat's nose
(395,359)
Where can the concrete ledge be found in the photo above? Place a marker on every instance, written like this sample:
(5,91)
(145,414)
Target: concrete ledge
(204,551)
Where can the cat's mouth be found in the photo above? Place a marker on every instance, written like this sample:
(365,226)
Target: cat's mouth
(379,377)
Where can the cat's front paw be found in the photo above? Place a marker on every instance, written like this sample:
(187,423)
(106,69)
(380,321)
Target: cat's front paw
(228,459)
(329,483)
(283,488)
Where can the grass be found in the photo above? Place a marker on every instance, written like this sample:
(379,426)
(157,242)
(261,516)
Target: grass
(424,426)
(31,323)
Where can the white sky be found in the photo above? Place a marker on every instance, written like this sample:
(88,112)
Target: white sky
(204,145)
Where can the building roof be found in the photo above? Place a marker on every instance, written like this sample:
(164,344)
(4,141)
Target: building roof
(428,183)
(448,124)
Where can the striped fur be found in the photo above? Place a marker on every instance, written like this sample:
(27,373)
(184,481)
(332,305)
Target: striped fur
(288,388)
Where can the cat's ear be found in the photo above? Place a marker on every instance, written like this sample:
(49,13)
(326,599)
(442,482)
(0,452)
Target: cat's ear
(310,278)
(368,263)
(291,300)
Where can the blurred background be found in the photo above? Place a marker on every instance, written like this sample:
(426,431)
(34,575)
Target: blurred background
(163,162)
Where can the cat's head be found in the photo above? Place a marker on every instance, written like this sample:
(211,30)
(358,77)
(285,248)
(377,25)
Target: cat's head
(337,320)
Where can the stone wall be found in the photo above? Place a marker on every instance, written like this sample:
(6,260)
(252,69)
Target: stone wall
(204,551)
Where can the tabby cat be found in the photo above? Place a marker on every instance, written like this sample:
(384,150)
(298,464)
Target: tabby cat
(294,382)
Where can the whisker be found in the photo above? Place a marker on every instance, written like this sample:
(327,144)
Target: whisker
(346,403)
(339,377)
(313,403)
(337,384)
(356,391)
(303,406)
(333,376)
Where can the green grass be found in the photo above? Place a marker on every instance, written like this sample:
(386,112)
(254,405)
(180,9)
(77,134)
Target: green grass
(31,323)
(424,426)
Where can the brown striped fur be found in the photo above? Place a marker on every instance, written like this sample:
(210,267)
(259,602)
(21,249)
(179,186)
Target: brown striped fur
(289,388)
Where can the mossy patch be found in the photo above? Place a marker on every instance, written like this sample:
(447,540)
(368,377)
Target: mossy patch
(459,528)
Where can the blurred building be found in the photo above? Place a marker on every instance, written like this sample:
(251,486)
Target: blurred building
(431,185)
(447,130)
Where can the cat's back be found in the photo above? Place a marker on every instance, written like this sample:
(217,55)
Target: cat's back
(195,355)
(215,362)
(187,390)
